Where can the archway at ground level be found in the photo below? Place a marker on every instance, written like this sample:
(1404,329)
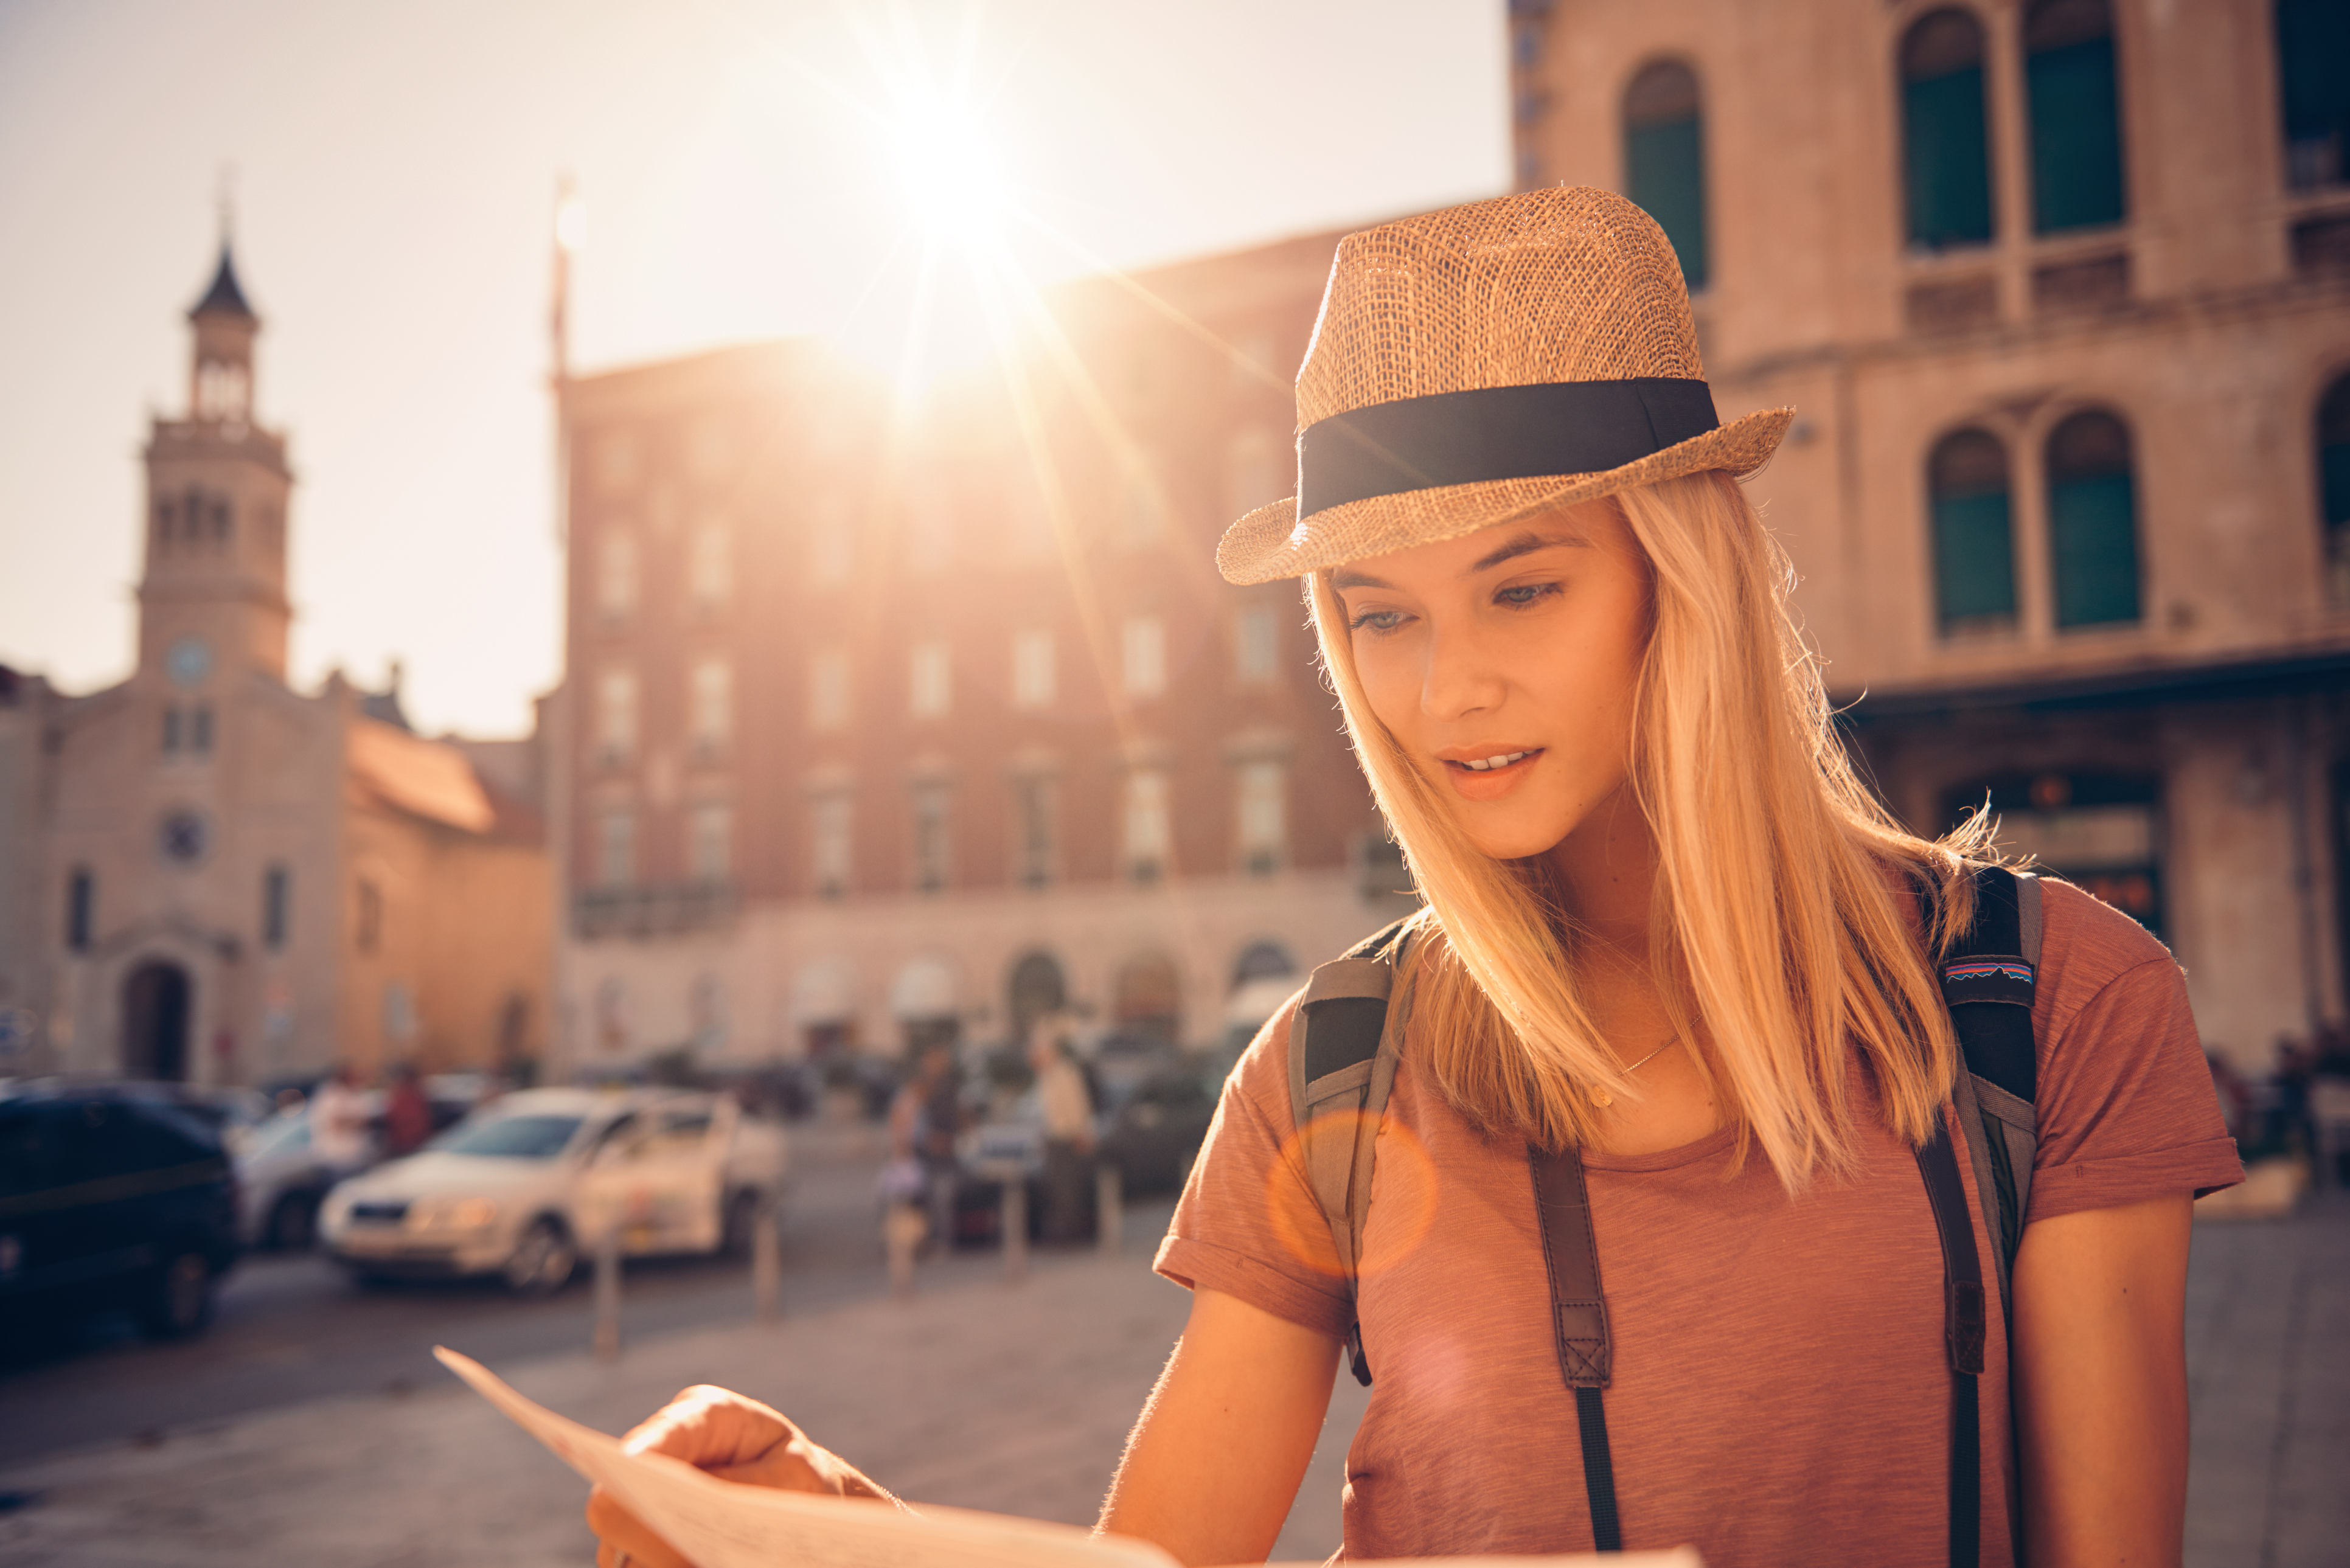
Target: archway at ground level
(1038,989)
(927,1001)
(1150,997)
(155,1021)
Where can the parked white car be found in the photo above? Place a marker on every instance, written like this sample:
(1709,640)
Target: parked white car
(524,1184)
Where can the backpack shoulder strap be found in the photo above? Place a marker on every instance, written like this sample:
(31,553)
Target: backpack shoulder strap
(1342,1055)
(1989,977)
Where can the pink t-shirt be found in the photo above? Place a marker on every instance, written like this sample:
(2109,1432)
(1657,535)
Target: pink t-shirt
(1781,1393)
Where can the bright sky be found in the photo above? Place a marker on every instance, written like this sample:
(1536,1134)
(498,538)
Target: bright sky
(395,168)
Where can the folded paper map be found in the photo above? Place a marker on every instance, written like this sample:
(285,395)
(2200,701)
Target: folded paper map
(726,1524)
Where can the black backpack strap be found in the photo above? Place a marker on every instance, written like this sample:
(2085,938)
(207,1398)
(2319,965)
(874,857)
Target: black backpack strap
(1962,1335)
(1578,1315)
(1987,982)
(1989,979)
(1342,1060)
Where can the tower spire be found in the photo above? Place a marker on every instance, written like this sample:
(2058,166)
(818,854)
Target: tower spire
(225,297)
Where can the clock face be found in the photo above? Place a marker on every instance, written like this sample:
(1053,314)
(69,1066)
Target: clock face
(184,836)
(189,661)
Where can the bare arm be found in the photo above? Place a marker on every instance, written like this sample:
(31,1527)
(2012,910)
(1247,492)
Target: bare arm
(2100,1384)
(1215,1460)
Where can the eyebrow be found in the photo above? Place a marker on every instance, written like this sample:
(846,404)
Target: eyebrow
(1524,544)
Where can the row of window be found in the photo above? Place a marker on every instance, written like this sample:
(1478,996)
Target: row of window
(925,997)
(1257,471)
(2072,126)
(1034,682)
(195,516)
(2089,498)
(2072,123)
(81,907)
(1146,834)
(2091,519)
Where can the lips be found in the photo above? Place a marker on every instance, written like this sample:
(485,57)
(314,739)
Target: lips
(1490,775)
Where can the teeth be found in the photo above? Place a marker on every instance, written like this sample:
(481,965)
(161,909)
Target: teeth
(1500,762)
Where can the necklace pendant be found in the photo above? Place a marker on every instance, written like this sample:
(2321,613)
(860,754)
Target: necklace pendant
(1601,1097)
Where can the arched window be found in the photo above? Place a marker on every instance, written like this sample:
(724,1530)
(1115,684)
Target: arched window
(2313,89)
(1664,159)
(2074,102)
(2333,473)
(1974,548)
(1149,998)
(1946,147)
(1039,990)
(2093,520)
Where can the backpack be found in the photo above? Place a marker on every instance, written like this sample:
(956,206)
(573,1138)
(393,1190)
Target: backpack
(1343,1046)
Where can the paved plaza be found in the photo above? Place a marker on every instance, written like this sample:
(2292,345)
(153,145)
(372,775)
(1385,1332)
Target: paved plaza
(1017,1398)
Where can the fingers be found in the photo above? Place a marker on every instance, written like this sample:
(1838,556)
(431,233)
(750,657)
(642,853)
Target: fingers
(711,1427)
(623,1541)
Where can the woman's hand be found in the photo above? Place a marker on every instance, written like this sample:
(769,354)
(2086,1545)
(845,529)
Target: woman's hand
(732,1438)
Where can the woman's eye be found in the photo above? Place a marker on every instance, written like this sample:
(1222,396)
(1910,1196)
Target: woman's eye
(1377,620)
(1524,594)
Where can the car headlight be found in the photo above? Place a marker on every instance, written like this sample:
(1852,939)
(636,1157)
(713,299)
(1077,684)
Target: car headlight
(451,1214)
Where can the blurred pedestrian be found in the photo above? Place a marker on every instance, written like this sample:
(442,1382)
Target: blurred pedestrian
(339,1122)
(407,1112)
(1068,1130)
(925,1119)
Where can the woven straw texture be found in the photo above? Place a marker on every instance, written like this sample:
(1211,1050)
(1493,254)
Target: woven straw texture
(1571,284)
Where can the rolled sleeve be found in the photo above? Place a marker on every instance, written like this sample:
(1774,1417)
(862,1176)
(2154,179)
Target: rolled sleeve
(2127,1111)
(1239,1225)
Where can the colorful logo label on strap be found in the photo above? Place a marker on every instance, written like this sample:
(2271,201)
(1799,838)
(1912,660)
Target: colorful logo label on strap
(1983,969)
(1988,979)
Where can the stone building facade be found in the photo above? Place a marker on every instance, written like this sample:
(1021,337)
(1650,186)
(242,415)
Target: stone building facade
(892,719)
(208,876)
(2062,289)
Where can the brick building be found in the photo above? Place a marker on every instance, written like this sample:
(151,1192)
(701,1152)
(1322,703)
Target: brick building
(2063,292)
(889,720)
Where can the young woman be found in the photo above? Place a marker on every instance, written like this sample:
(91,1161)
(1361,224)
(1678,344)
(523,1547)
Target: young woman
(1666,930)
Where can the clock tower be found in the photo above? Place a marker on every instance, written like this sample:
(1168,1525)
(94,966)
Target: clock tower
(211,601)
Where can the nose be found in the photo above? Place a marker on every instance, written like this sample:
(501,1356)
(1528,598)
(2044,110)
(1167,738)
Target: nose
(1460,678)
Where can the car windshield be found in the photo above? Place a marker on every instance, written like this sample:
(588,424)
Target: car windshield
(509,1137)
(279,1135)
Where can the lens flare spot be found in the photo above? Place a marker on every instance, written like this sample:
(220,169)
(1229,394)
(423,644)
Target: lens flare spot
(1403,1189)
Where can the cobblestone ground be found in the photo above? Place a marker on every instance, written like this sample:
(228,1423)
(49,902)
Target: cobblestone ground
(1017,1398)
(2267,1360)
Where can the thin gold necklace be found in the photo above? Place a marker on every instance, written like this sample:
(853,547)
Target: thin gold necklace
(1603,1099)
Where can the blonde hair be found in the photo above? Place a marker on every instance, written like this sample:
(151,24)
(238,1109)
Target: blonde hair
(1776,932)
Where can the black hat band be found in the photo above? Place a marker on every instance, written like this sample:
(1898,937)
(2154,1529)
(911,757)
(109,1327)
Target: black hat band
(1495,433)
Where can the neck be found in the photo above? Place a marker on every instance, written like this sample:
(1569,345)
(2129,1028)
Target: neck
(1607,871)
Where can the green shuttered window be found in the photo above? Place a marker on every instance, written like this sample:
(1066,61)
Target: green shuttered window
(1974,548)
(2074,105)
(2093,522)
(1664,160)
(1945,139)
(2313,39)
(2333,469)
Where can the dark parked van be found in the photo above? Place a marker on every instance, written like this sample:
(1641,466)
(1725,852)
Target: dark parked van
(110,1197)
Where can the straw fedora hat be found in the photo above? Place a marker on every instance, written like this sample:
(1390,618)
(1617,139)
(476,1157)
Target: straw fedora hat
(1484,363)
